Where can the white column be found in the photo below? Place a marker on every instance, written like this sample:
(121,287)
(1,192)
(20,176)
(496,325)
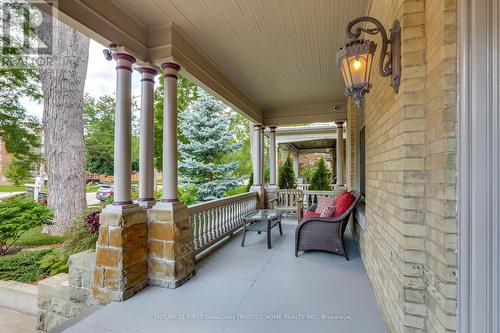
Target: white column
(296,165)
(340,147)
(262,155)
(146,154)
(170,133)
(257,156)
(123,128)
(272,155)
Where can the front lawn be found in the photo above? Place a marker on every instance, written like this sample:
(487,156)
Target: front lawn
(12,188)
(35,237)
(92,188)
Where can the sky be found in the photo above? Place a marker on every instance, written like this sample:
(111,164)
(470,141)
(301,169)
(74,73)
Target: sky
(101,79)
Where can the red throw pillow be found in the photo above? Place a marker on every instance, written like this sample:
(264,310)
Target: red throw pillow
(310,214)
(343,202)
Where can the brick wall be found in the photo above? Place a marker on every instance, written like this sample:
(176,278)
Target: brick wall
(409,244)
(440,164)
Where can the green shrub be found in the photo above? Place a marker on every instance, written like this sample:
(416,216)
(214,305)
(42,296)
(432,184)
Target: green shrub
(18,215)
(250,182)
(18,171)
(236,191)
(188,194)
(287,176)
(54,262)
(24,266)
(321,178)
(81,236)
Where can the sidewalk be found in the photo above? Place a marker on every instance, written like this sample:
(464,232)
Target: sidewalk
(16,322)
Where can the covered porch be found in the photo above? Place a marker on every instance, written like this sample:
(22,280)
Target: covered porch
(252,289)
(274,61)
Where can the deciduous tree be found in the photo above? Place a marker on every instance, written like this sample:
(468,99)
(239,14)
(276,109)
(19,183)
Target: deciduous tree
(63,80)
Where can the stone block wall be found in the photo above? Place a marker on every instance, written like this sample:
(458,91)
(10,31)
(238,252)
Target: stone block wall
(121,254)
(64,296)
(171,250)
(54,305)
(409,243)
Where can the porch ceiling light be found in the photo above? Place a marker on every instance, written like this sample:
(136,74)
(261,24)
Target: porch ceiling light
(355,59)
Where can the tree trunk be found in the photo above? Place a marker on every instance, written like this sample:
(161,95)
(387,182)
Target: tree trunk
(63,80)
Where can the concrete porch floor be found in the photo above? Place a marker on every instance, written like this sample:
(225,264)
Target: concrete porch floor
(253,289)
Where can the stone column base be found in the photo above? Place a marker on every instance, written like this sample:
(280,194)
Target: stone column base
(121,254)
(261,192)
(147,204)
(171,250)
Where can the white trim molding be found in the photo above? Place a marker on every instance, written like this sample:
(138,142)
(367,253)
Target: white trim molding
(479,160)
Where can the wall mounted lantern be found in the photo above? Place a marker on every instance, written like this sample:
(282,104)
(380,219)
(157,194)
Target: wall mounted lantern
(355,59)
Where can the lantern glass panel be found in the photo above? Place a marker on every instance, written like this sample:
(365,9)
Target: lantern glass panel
(358,66)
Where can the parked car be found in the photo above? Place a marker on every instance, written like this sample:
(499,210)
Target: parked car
(106,191)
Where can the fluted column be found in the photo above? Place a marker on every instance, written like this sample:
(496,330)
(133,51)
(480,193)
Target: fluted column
(146,152)
(340,146)
(257,156)
(123,128)
(170,133)
(272,155)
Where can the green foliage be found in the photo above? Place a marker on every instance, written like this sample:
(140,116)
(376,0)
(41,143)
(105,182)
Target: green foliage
(18,130)
(240,127)
(18,171)
(54,262)
(206,127)
(24,266)
(188,194)
(236,191)
(307,171)
(287,177)
(321,177)
(79,237)
(99,124)
(18,215)
(250,182)
(187,92)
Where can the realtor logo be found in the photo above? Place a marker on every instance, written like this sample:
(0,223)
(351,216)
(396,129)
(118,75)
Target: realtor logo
(25,30)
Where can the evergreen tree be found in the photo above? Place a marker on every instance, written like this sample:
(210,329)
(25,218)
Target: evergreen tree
(287,176)
(321,177)
(208,140)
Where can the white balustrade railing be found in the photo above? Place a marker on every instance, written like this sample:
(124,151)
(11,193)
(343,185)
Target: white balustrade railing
(311,197)
(214,220)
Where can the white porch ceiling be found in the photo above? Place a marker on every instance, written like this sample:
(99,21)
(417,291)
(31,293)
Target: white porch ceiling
(280,54)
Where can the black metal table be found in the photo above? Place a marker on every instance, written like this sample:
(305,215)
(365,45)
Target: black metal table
(262,220)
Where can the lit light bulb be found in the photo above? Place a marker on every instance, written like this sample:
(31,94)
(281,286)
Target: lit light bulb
(356,64)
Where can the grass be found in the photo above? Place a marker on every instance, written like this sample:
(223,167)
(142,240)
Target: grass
(92,188)
(12,188)
(23,266)
(35,237)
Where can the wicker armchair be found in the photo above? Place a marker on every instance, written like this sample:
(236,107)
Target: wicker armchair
(289,200)
(324,233)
